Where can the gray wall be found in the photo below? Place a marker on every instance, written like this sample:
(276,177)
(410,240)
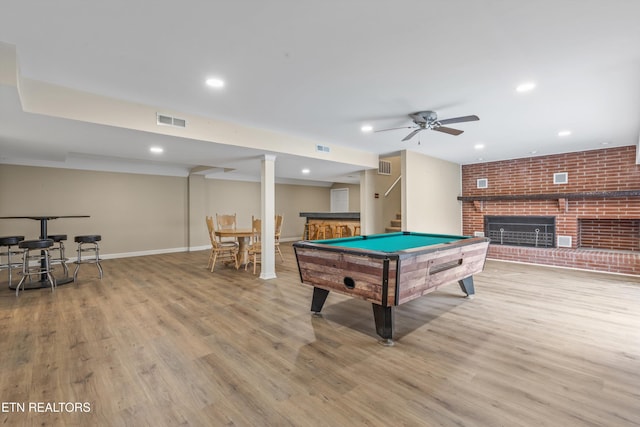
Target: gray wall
(137,213)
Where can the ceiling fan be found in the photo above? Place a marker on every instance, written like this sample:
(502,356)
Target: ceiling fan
(429,120)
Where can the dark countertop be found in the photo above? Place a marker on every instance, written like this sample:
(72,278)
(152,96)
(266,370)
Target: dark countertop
(331,215)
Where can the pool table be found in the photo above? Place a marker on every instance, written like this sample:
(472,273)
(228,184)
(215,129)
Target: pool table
(389,269)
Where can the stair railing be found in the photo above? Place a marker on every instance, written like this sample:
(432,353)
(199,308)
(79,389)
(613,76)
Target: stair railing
(392,186)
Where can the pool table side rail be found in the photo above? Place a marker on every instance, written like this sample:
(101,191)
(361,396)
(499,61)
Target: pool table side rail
(410,273)
(365,237)
(374,277)
(427,271)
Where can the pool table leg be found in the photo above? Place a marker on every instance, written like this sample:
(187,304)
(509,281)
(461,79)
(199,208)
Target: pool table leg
(466,285)
(319,297)
(384,322)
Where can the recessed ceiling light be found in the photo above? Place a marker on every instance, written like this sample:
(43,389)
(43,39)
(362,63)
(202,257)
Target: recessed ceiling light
(564,133)
(156,150)
(215,82)
(525,87)
(306,171)
(480,158)
(478,146)
(366,128)
(604,143)
(533,152)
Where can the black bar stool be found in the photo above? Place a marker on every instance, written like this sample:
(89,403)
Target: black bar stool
(91,248)
(58,245)
(42,267)
(9,241)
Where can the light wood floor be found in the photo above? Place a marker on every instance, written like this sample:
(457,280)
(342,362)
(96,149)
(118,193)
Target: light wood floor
(160,341)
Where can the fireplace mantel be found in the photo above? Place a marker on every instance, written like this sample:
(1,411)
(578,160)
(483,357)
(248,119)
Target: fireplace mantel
(553,196)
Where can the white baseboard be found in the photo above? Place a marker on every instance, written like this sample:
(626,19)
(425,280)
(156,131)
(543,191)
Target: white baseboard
(142,253)
(290,239)
(165,251)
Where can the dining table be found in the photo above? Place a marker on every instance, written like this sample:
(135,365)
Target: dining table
(243,236)
(44,219)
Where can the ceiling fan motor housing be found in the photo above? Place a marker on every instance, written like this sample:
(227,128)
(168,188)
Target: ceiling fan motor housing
(428,116)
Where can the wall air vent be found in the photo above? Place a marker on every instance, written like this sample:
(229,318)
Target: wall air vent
(384,167)
(564,241)
(482,183)
(164,120)
(561,178)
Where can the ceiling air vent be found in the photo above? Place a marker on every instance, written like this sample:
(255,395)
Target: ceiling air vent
(323,148)
(384,167)
(164,120)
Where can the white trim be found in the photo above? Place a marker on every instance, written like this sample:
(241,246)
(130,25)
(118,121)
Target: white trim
(143,253)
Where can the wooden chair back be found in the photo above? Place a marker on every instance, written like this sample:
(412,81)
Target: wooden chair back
(226,221)
(212,231)
(279,219)
(256,228)
(255,249)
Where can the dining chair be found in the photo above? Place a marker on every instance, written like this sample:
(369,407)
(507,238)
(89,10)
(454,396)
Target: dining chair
(224,251)
(255,249)
(279,219)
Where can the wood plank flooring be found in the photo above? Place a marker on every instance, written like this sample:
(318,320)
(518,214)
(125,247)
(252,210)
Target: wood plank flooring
(161,341)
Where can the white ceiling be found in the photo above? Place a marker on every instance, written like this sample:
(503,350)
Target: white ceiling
(320,70)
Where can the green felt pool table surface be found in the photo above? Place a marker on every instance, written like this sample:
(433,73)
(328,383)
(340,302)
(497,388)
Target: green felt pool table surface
(391,242)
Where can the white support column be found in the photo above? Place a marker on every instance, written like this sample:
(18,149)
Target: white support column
(267,213)
(367,205)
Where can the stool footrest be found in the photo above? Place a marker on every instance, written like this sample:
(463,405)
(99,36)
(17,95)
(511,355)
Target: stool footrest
(89,261)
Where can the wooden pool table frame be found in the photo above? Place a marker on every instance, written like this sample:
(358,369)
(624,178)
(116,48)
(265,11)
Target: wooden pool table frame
(388,279)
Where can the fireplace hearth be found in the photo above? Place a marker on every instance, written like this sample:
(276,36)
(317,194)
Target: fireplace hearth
(530,231)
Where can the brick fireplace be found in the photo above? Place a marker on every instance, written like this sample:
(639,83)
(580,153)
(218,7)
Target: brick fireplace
(526,230)
(593,196)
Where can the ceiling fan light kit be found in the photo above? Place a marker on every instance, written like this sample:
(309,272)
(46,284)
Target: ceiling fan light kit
(424,120)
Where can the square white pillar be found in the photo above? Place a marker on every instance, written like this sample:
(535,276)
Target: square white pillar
(267,213)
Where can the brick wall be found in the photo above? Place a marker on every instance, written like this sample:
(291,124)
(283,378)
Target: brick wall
(620,234)
(606,170)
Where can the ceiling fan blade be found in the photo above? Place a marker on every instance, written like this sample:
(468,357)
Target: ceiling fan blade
(402,127)
(412,134)
(450,131)
(459,120)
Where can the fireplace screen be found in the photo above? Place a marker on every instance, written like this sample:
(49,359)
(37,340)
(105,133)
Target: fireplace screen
(533,231)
